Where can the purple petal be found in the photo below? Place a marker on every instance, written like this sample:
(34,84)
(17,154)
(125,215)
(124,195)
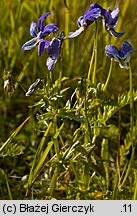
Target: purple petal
(126,49)
(30,44)
(47,43)
(111,51)
(116,34)
(110,18)
(41,19)
(43,44)
(92,14)
(33,29)
(51,63)
(54,48)
(113,17)
(76,33)
(95,5)
(48,29)
(106,15)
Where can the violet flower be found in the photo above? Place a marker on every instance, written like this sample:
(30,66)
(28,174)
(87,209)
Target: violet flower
(88,18)
(38,32)
(110,21)
(122,56)
(54,50)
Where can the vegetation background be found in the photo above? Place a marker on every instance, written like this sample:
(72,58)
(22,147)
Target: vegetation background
(68,173)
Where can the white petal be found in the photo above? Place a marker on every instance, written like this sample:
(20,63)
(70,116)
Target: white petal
(76,33)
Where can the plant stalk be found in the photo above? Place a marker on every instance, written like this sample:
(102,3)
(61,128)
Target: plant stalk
(108,77)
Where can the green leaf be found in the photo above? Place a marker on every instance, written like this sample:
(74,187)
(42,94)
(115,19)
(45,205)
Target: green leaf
(38,162)
(37,155)
(13,135)
(64,113)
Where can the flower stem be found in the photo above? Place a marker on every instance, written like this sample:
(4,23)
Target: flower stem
(60,75)
(131,103)
(49,79)
(131,126)
(95,51)
(109,74)
(91,63)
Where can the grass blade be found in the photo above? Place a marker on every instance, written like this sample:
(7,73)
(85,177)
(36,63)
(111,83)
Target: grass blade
(13,135)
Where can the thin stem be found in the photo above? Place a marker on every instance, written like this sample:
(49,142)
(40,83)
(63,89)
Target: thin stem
(50,79)
(60,74)
(95,51)
(8,186)
(56,143)
(109,74)
(119,134)
(91,63)
(128,168)
(131,126)
(131,104)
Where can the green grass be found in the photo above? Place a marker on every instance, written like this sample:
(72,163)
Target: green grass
(74,138)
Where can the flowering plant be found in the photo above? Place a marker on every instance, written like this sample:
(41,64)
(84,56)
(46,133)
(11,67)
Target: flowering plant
(39,32)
